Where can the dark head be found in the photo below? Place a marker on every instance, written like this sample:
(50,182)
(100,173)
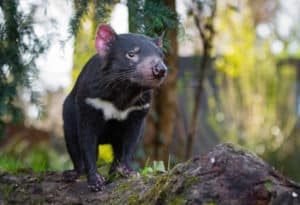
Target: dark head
(135,58)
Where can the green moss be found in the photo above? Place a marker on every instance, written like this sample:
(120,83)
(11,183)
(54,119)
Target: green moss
(269,185)
(132,199)
(190,180)
(159,190)
(38,201)
(123,186)
(178,200)
(120,189)
(168,189)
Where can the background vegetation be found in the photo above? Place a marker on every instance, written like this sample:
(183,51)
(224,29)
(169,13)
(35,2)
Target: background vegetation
(234,75)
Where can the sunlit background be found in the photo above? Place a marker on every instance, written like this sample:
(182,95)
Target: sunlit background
(251,89)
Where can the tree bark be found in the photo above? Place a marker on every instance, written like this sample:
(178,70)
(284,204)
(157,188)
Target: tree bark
(165,101)
(224,176)
(162,118)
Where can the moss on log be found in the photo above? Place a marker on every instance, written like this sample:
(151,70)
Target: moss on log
(224,176)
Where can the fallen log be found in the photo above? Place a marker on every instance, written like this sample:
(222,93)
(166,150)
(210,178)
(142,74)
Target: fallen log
(224,176)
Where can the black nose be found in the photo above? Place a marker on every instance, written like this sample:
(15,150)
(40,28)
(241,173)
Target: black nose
(159,70)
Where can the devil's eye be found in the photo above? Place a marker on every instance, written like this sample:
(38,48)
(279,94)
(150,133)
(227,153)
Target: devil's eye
(130,54)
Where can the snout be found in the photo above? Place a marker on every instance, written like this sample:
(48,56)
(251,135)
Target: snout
(150,72)
(159,70)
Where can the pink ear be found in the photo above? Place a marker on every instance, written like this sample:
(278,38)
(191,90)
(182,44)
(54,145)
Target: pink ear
(104,37)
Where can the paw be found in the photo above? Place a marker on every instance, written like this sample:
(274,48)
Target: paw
(70,175)
(124,171)
(96,183)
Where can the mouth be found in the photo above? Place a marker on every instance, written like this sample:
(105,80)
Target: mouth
(154,82)
(148,81)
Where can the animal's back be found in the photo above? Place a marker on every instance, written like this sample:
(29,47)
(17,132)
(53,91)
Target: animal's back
(69,105)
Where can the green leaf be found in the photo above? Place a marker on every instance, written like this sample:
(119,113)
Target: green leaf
(147,170)
(159,166)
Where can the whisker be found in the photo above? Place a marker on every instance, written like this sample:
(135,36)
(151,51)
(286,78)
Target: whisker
(112,81)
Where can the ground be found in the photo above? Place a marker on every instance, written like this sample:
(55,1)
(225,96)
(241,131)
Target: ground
(224,176)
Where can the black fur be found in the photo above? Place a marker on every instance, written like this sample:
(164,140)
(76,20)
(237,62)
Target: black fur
(113,78)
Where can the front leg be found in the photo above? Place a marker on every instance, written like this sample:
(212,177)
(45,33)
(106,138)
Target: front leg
(90,126)
(121,164)
(125,140)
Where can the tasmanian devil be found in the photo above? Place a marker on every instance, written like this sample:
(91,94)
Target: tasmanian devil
(110,100)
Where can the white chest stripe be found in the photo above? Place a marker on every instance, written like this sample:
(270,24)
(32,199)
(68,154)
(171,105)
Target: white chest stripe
(110,111)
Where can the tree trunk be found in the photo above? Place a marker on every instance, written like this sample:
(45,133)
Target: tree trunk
(161,123)
(224,176)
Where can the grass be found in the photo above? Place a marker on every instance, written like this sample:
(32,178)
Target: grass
(38,159)
(10,164)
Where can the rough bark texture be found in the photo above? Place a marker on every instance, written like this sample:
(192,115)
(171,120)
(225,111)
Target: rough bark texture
(226,176)
(160,126)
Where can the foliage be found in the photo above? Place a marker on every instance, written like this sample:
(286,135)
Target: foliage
(84,44)
(255,110)
(204,13)
(154,18)
(42,157)
(19,47)
(99,9)
(9,163)
(157,167)
(151,17)
(88,14)
(38,158)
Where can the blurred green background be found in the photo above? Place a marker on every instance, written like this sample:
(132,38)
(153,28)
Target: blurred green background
(234,76)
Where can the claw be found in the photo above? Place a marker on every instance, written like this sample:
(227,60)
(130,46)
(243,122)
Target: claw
(123,170)
(95,188)
(97,184)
